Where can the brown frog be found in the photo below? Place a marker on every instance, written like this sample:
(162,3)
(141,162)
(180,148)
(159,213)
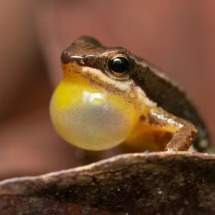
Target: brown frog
(108,96)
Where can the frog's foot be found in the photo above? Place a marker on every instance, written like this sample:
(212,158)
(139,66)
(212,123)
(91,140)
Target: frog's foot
(182,139)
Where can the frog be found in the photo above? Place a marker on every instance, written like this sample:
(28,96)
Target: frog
(110,97)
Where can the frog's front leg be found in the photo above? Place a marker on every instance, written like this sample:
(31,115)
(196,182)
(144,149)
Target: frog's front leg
(183,131)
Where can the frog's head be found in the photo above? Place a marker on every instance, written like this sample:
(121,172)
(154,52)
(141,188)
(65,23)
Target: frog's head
(97,104)
(108,68)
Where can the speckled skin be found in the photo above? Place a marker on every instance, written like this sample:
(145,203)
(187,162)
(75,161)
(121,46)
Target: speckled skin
(172,111)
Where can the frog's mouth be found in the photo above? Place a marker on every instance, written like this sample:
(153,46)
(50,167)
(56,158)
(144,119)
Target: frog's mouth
(90,117)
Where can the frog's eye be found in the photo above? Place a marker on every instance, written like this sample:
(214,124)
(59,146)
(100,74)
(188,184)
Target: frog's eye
(119,66)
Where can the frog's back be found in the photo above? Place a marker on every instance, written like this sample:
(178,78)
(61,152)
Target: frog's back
(171,97)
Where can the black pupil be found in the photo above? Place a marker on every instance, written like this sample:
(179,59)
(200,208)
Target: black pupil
(119,64)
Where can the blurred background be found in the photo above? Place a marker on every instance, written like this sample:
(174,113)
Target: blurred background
(177,36)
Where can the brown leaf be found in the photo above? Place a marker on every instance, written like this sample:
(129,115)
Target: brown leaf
(131,184)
